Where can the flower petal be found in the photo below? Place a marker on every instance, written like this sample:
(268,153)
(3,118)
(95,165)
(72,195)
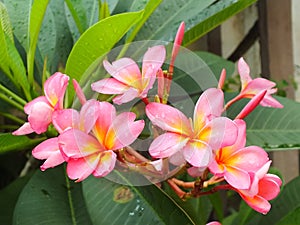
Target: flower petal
(167,145)
(64,119)
(244,72)
(237,177)
(208,106)
(89,113)
(269,186)
(48,150)
(124,70)
(219,132)
(54,89)
(24,129)
(123,131)
(168,118)
(257,203)
(79,169)
(77,144)
(197,153)
(106,164)
(40,117)
(154,58)
(127,96)
(79,92)
(29,105)
(109,86)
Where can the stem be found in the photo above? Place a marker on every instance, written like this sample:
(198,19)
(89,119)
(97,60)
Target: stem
(215,189)
(145,100)
(181,194)
(12,117)
(137,155)
(72,210)
(228,104)
(11,102)
(13,95)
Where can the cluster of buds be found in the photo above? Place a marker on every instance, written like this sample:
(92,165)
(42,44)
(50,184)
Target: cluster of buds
(210,146)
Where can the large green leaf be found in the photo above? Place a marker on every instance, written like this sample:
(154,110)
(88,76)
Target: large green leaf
(9,142)
(97,41)
(273,129)
(5,23)
(50,198)
(164,22)
(213,16)
(114,203)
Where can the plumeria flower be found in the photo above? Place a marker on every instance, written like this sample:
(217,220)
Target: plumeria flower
(264,188)
(252,87)
(192,141)
(93,153)
(236,161)
(40,109)
(65,119)
(128,82)
(214,223)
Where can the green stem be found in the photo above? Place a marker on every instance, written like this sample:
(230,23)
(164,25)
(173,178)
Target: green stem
(11,102)
(12,117)
(72,210)
(13,95)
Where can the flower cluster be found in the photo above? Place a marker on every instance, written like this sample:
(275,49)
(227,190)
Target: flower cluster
(91,141)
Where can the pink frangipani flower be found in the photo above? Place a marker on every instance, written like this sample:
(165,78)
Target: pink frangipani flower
(62,120)
(93,153)
(128,82)
(236,161)
(251,87)
(192,142)
(40,109)
(264,187)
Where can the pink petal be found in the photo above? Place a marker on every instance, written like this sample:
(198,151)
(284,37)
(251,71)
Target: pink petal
(106,164)
(197,153)
(244,72)
(269,101)
(153,58)
(107,113)
(259,84)
(89,113)
(77,144)
(219,132)
(167,145)
(24,129)
(54,89)
(222,79)
(269,186)
(237,177)
(64,119)
(109,86)
(29,105)
(168,118)
(251,105)
(250,158)
(40,117)
(123,131)
(148,81)
(124,70)
(79,92)
(177,43)
(196,171)
(128,95)
(257,203)
(208,106)
(79,169)
(160,84)
(177,159)
(48,150)
(214,223)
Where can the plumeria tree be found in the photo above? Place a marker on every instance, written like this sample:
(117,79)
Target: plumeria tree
(121,135)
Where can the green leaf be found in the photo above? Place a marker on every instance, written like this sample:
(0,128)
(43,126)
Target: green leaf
(5,23)
(94,43)
(113,203)
(19,13)
(37,13)
(273,129)
(50,198)
(164,22)
(9,196)
(213,16)
(9,142)
(292,218)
